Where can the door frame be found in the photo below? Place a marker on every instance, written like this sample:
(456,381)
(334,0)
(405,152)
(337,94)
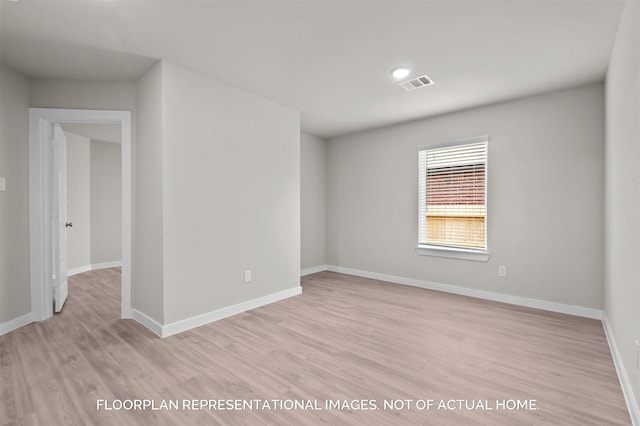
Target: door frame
(40,161)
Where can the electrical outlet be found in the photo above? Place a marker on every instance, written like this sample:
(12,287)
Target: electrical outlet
(502,271)
(247,276)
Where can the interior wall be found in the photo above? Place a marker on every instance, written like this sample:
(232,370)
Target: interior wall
(622,202)
(106,202)
(78,201)
(231,195)
(313,201)
(15,290)
(148,264)
(74,94)
(94,188)
(545,198)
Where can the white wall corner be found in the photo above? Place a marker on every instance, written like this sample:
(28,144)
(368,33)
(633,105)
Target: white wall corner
(625,383)
(16,323)
(209,317)
(148,322)
(479,294)
(313,270)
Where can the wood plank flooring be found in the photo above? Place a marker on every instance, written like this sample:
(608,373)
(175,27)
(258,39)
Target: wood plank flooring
(345,339)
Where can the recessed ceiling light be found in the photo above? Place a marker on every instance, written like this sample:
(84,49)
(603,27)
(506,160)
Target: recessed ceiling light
(400,72)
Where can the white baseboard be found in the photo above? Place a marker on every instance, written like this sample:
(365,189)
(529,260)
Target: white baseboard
(209,317)
(16,323)
(93,267)
(625,383)
(480,294)
(103,265)
(313,270)
(79,270)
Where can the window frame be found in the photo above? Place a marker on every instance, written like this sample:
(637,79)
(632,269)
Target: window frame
(454,252)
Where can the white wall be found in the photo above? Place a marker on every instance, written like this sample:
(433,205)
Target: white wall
(313,201)
(106,202)
(231,195)
(94,187)
(47,93)
(545,196)
(147,268)
(622,186)
(15,293)
(78,200)
(216,188)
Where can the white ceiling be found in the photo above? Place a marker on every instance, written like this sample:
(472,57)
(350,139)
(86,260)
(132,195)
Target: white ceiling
(331,60)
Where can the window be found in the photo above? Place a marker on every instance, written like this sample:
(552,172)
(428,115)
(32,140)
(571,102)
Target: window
(452,194)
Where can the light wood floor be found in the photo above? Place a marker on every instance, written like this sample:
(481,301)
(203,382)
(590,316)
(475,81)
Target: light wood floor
(344,338)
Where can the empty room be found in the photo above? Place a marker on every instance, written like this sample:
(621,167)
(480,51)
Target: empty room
(320,212)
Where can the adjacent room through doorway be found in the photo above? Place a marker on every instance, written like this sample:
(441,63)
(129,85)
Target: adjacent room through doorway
(51,256)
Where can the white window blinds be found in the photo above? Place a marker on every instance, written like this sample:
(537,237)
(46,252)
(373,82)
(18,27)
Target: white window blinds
(453,193)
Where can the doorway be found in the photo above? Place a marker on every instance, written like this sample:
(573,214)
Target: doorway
(94,197)
(43,235)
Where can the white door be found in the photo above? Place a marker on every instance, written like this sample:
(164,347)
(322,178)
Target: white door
(59,222)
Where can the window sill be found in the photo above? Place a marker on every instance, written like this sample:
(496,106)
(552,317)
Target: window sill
(453,253)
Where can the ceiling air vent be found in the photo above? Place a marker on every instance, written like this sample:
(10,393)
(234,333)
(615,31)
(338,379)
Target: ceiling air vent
(416,83)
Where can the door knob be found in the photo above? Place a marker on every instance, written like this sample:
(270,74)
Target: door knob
(68,225)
